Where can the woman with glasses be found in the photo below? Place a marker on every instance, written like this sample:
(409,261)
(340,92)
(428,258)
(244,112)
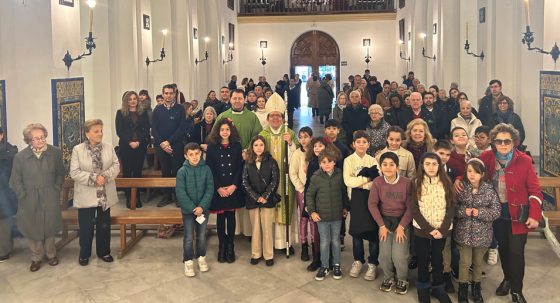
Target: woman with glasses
(37,178)
(504,114)
(515,180)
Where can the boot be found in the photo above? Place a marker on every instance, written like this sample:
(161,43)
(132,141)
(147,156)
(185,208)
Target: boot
(305,252)
(503,289)
(439,293)
(423,295)
(477,292)
(222,252)
(463,295)
(316,263)
(230,253)
(449,288)
(517,297)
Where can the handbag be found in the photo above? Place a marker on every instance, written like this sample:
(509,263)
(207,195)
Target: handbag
(523,215)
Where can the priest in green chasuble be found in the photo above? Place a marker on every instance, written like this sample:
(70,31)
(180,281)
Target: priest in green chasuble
(276,134)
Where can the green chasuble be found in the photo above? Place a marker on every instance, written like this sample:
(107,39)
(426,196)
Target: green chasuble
(276,146)
(246,122)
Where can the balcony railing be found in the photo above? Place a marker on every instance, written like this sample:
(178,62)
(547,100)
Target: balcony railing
(313,7)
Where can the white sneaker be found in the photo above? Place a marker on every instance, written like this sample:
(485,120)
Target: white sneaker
(202,265)
(356,269)
(492,256)
(189,268)
(371,272)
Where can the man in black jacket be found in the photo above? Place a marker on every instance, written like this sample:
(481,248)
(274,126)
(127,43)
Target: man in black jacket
(416,111)
(354,117)
(487,106)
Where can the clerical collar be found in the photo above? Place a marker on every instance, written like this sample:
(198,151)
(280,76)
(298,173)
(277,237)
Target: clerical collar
(236,112)
(277,131)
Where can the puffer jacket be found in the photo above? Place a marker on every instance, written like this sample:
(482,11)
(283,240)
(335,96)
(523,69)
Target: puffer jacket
(261,182)
(195,187)
(476,231)
(327,195)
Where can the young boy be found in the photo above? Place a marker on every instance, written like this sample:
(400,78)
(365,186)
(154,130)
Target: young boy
(450,252)
(194,189)
(460,153)
(359,171)
(327,202)
(388,203)
(481,140)
(395,136)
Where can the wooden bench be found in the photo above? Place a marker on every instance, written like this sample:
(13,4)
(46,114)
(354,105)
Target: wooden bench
(123,217)
(553,215)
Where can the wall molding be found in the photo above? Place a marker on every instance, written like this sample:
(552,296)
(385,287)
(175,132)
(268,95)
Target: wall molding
(317,18)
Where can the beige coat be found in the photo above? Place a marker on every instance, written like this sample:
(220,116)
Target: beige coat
(81,171)
(298,169)
(312,93)
(407,167)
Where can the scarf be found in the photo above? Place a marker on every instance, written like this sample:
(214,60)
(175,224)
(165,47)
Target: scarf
(96,157)
(39,152)
(506,117)
(504,160)
(342,107)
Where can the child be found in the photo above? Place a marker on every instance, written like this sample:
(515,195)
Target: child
(477,207)
(327,203)
(260,181)
(223,155)
(261,112)
(481,140)
(359,170)
(316,146)
(298,166)
(460,154)
(389,201)
(338,113)
(194,190)
(407,167)
(432,211)
(467,120)
(159,99)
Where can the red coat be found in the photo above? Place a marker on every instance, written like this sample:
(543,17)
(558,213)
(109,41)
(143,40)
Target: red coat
(522,186)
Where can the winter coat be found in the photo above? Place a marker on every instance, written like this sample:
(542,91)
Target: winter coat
(194,187)
(82,172)
(327,195)
(125,128)
(312,90)
(476,231)
(261,182)
(406,115)
(515,121)
(226,165)
(486,109)
(199,134)
(522,186)
(354,118)
(432,207)
(37,184)
(392,116)
(8,201)
(444,112)
(325,95)
(377,136)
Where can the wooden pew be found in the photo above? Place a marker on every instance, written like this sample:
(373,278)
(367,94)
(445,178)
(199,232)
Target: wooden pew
(553,215)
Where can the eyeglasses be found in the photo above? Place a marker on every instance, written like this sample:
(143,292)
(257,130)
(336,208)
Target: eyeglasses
(502,142)
(503,103)
(39,139)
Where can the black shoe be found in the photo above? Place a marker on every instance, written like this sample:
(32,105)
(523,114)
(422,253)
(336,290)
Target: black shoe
(222,253)
(337,272)
(166,201)
(517,297)
(413,264)
(291,251)
(503,289)
(439,293)
(269,262)
(449,288)
(4,258)
(314,265)
(322,273)
(138,204)
(230,253)
(305,252)
(254,261)
(107,258)
(423,295)
(83,261)
(463,294)
(477,293)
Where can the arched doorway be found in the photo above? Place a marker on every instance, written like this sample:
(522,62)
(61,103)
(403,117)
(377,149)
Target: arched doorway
(316,52)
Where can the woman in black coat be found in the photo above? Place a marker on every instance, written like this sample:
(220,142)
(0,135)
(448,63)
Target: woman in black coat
(133,128)
(223,155)
(8,201)
(505,114)
(202,129)
(260,180)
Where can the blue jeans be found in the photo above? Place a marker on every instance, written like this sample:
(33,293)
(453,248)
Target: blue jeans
(200,229)
(358,249)
(329,232)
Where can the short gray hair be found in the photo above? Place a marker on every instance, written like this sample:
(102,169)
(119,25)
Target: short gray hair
(210,109)
(355,92)
(505,128)
(31,127)
(91,123)
(375,108)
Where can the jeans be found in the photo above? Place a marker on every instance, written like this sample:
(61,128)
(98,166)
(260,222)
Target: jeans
(429,251)
(329,232)
(191,226)
(88,219)
(358,248)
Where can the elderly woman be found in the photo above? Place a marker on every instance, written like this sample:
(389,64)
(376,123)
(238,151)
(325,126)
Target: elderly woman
(376,129)
(94,167)
(517,185)
(8,201)
(133,128)
(505,114)
(37,178)
(467,120)
(202,129)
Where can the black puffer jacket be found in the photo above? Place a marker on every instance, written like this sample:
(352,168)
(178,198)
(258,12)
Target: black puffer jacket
(327,195)
(261,182)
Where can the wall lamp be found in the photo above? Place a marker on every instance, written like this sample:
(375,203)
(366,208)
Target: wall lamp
(90,44)
(162,52)
(367,44)
(196,61)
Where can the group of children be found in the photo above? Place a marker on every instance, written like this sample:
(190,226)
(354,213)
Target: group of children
(394,202)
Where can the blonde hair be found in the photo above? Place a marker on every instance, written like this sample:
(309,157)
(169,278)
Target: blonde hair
(31,127)
(355,92)
(428,139)
(125,108)
(91,123)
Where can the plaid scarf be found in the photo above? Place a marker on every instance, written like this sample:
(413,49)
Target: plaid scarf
(96,154)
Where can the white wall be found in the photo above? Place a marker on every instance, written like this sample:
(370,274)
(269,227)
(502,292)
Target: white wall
(349,37)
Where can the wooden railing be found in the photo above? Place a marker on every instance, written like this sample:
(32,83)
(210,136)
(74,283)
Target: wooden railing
(313,7)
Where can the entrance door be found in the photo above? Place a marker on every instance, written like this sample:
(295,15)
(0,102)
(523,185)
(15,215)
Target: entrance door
(304,72)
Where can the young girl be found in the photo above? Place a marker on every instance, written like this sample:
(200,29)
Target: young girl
(359,170)
(432,212)
(261,112)
(407,167)
(389,200)
(298,165)
(260,180)
(477,207)
(316,146)
(418,139)
(224,158)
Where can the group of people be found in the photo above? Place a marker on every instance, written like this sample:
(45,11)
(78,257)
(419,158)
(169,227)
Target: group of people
(426,183)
